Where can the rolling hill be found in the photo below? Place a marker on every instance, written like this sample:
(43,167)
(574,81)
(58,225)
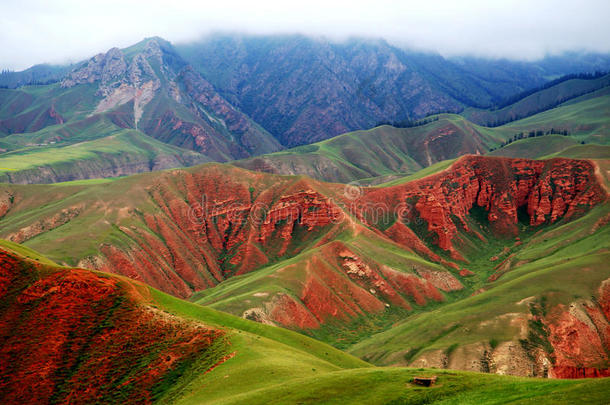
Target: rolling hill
(385,153)
(343,263)
(122,153)
(542,100)
(381,153)
(142,346)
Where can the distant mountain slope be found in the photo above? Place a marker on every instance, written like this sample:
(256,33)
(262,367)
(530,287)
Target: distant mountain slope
(384,153)
(146,87)
(123,153)
(539,101)
(171,102)
(37,74)
(304,90)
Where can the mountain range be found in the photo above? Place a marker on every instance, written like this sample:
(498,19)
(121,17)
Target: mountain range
(285,219)
(145,98)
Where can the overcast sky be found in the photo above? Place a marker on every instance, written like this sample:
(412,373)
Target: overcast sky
(36,31)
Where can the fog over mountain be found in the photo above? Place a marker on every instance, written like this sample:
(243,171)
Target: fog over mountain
(36,31)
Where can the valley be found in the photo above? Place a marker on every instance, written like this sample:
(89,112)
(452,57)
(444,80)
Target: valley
(227,359)
(286,218)
(341,264)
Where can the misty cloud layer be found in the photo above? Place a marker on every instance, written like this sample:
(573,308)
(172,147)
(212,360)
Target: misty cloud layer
(36,31)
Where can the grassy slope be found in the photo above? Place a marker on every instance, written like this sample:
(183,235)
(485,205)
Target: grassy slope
(87,129)
(125,152)
(32,102)
(533,148)
(538,101)
(585,118)
(383,152)
(393,386)
(266,355)
(435,168)
(386,153)
(273,365)
(556,264)
(41,201)
(583,152)
(25,252)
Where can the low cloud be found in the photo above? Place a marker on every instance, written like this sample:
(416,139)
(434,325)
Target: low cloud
(35,31)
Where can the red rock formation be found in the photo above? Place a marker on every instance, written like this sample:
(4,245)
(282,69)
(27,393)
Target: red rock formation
(548,189)
(74,336)
(340,285)
(6,202)
(188,230)
(580,336)
(578,372)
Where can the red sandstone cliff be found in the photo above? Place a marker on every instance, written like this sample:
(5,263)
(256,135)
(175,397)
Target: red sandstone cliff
(549,190)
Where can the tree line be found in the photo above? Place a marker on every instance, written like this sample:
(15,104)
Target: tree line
(407,123)
(513,99)
(533,134)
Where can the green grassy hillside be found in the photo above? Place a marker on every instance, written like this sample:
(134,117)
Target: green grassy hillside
(258,363)
(383,153)
(386,153)
(123,153)
(394,386)
(586,119)
(539,101)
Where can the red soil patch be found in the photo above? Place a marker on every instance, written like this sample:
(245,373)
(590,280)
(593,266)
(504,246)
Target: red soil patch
(71,335)
(340,285)
(466,273)
(580,336)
